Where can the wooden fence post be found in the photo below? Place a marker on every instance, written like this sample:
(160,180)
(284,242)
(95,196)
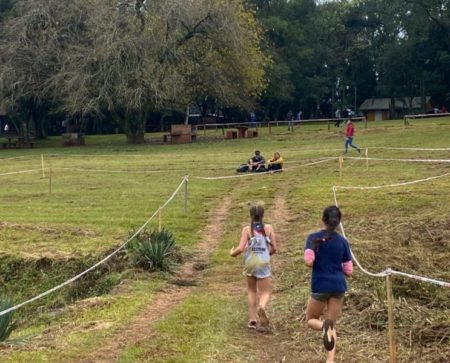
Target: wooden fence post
(160,219)
(50,182)
(185,195)
(391,334)
(367,158)
(42,165)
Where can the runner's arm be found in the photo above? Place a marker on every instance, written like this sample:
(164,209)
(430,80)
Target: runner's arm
(235,251)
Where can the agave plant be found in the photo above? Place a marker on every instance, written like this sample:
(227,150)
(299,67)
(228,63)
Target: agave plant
(155,251)
(6,323)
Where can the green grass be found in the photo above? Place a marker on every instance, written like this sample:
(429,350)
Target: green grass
(100,193)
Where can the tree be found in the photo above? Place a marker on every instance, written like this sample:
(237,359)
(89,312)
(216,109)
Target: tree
(131,57)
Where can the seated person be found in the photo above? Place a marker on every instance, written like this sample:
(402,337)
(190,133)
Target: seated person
(256,162)
(276,163)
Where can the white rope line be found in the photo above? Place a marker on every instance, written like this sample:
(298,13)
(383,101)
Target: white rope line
(410,148)
(21,172)
(419,278)
(393,185)
(112,171)
(13,158)
(387,271)
(404,160)
(252,174)
(13,308)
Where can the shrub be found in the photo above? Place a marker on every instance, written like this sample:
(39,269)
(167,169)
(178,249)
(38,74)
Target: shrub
(154,251)
(6,324)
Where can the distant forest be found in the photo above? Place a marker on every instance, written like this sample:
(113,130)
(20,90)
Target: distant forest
(139,65)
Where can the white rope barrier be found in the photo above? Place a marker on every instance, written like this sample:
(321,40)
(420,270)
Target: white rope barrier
(410,148)
(21,172)
(13,158)
(392,185)
(403,160)
(13,308)
(113,171)
(253,174)
(387,271)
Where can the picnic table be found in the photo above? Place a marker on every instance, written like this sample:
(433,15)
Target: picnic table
(17,142)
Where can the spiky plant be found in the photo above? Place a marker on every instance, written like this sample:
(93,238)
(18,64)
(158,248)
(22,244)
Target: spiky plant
(6,324)
(155,251)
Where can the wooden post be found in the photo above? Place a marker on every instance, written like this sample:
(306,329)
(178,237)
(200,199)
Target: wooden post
(160,219)
(391,334)
(270,128)
(185,195)
(341,164)
(365,122)
(367,158)
(42,164)
(50,182)
(204,130)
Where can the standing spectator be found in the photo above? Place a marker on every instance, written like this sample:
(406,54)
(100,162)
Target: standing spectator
(6,129)
(444,109)
(253,120)
(290,116)
(349,132)
(299,115)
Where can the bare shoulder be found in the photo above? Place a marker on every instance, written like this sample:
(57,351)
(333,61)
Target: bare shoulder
(268,228)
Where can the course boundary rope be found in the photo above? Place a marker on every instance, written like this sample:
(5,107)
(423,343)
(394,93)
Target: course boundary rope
(390,271)
(45,293)
(409,148)
(21,172)
(401,160)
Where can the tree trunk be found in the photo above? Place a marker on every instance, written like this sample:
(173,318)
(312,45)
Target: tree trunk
(134,126)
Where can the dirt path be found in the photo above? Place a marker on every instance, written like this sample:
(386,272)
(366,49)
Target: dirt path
(140,329)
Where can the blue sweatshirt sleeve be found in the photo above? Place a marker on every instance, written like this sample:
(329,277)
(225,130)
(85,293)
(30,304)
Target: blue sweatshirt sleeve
(347,256)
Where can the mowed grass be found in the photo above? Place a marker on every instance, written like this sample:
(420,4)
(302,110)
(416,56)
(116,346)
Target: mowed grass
(106,190)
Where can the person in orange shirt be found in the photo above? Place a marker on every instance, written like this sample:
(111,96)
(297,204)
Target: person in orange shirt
(276,163)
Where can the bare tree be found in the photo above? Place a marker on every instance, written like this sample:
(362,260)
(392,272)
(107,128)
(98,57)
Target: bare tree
(133,57)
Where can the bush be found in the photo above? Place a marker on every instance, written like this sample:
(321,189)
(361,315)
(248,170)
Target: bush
(154,251)
(6,324)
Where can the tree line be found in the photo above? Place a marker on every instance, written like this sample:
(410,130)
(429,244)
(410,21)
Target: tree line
(127,64)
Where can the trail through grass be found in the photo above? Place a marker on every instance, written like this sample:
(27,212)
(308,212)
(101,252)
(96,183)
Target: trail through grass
(109,190)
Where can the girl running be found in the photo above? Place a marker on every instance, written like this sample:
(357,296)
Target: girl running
(258,243)
(328,253)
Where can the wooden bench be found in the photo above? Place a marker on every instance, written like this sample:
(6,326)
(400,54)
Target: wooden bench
(18,142)
(181,134)
(252,133)
(231,134)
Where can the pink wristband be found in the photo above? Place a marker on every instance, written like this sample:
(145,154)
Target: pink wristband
(309,256)
(347,267)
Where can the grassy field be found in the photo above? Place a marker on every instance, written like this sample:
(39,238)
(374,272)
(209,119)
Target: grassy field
(105,190)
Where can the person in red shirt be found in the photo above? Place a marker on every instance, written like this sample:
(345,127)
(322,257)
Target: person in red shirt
(444,109)
(349,131)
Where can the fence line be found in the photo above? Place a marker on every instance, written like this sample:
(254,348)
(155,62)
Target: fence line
(392,185)
(402,160)
(411,148)
(13,308)
(388,271)
(21,172)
